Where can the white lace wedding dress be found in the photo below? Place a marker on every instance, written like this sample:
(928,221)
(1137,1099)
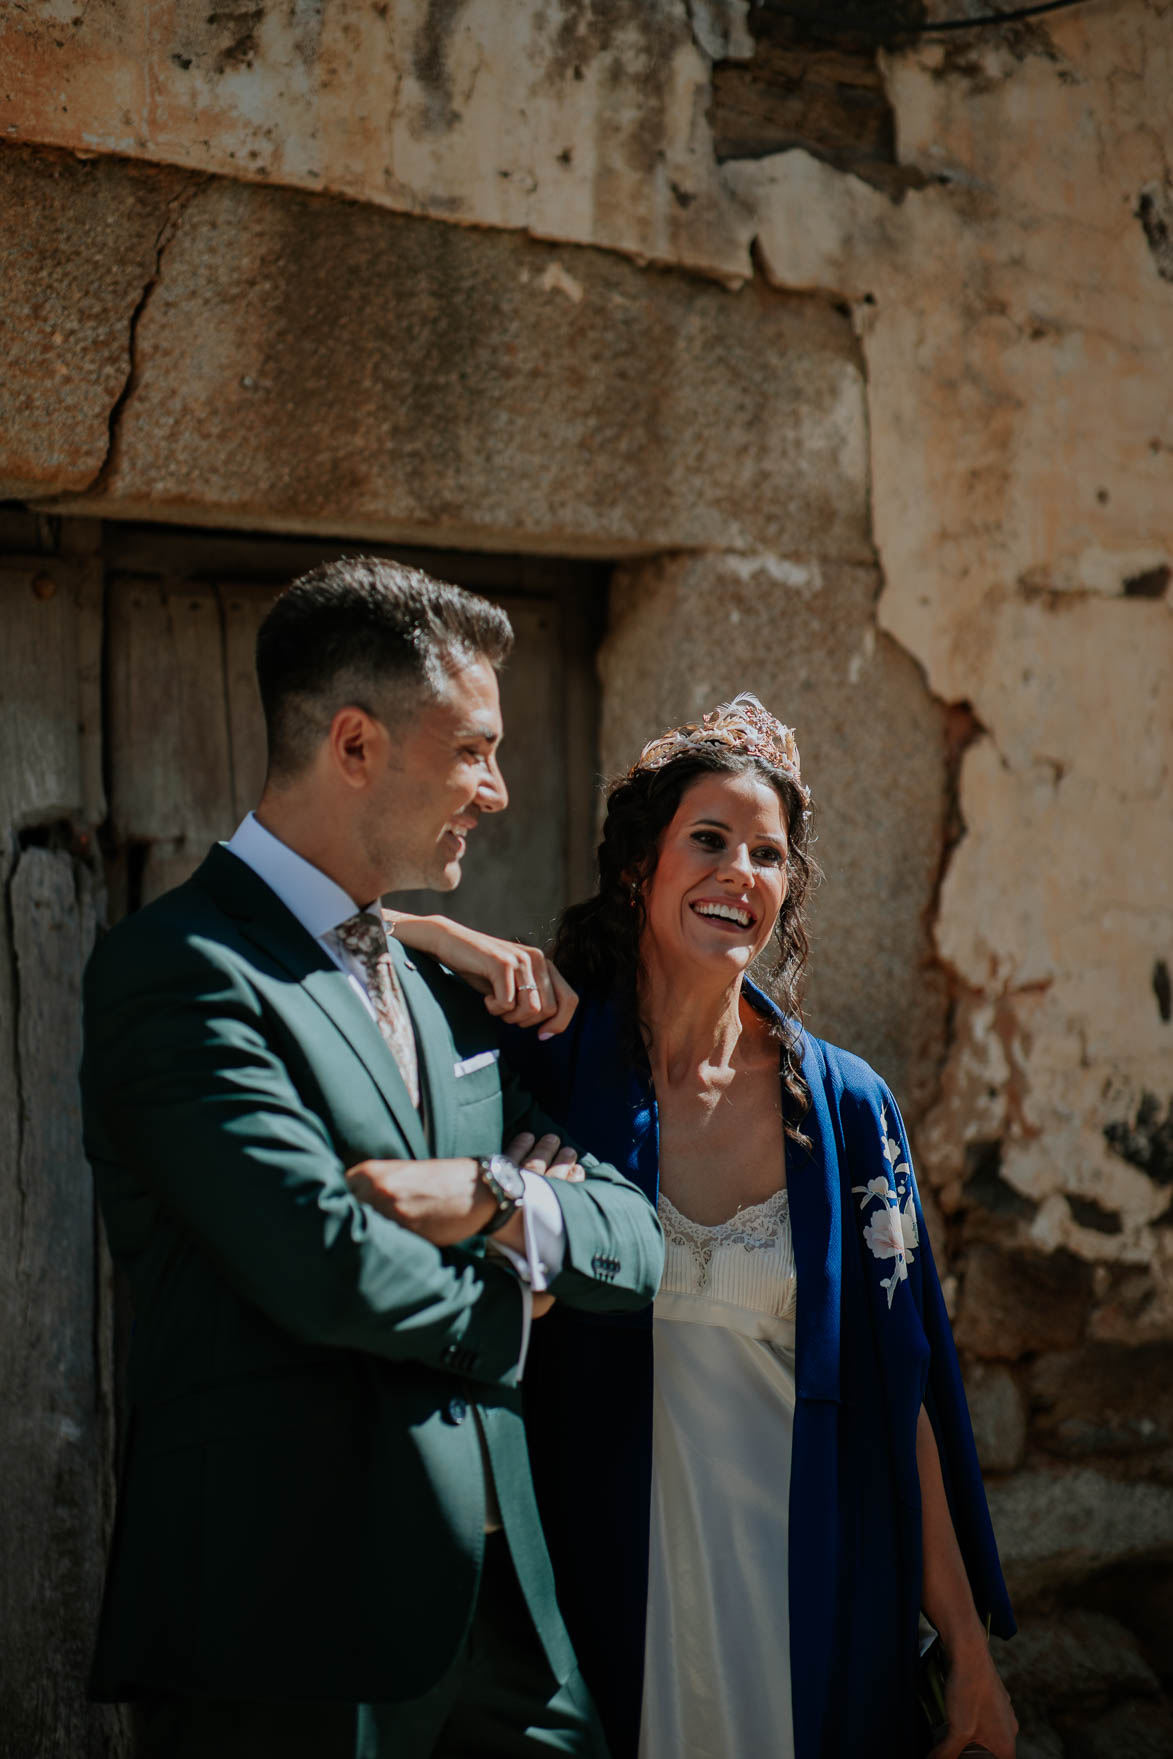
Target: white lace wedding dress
(717,1659)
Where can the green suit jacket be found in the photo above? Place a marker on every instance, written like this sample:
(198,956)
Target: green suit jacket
(302,1504)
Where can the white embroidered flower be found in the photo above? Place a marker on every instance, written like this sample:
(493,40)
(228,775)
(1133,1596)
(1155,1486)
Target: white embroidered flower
(885,1232)
(891,1231)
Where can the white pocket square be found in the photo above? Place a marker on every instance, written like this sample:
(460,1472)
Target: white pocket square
(482,1060)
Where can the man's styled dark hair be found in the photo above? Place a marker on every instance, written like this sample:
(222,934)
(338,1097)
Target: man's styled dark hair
(365,633)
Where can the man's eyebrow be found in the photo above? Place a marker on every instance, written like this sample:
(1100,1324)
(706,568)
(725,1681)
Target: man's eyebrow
(489,734)
(718,824)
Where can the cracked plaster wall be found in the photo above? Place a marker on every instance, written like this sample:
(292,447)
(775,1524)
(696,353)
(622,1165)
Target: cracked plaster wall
(1016,323)
(575,122)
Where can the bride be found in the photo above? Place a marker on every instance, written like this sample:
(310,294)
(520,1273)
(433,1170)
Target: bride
(751,1492)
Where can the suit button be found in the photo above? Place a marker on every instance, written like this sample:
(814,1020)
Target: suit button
(456,1410)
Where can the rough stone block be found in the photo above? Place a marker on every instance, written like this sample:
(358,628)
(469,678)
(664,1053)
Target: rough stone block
(1070,1659)
(1057,1529)
(1128,1731)
(998,1414)
(1037,1739)
(1104,1399)
(77,250)
(584,123)
(312,365)
(687,633)
(1014,1303)
(1140,1596)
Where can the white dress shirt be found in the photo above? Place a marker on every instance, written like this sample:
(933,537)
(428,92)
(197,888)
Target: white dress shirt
(320,905)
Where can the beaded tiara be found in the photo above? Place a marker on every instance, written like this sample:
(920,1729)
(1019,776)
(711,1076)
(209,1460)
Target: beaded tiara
(743,726)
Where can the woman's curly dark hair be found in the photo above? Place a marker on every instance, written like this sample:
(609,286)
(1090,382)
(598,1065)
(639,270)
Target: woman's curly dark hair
(597,943)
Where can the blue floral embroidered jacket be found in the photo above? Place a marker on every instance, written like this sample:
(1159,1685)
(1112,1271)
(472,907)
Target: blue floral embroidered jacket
(873,1344)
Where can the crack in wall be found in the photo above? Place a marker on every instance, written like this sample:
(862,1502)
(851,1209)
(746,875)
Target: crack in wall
(177,206)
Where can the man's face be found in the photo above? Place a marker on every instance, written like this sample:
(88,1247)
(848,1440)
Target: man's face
(441,775)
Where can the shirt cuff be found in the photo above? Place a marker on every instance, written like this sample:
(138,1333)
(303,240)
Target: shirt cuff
(545,1249)
(545,1235)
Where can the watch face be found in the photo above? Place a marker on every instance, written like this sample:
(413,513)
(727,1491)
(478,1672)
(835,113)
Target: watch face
(508,1177)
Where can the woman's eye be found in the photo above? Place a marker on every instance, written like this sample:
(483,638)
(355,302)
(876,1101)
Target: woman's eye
(707,839)
(769,856)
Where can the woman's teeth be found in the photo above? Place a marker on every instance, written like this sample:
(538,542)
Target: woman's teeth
(730,913)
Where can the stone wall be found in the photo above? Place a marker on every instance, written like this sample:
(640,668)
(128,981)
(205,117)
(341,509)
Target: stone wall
(913,481)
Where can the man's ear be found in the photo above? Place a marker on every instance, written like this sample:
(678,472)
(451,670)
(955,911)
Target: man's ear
(357,745)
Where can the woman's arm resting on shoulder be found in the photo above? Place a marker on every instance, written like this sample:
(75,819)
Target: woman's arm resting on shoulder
(976,1702)
(520,985)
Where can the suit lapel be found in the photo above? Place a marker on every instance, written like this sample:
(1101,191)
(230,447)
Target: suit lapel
(335,995)
(262,916)
(433,1041)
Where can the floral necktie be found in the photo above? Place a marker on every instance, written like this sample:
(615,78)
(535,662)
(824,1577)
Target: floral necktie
(365,937)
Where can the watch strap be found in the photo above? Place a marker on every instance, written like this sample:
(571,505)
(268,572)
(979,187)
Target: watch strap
(507,1205)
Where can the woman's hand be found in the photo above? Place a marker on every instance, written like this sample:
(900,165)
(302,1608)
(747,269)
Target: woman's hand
(977,1707)
(545,1155)
(520,985)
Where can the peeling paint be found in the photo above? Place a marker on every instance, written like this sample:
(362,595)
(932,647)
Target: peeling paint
(584,123)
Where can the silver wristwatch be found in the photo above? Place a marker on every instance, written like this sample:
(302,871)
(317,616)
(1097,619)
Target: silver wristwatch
(503,1180)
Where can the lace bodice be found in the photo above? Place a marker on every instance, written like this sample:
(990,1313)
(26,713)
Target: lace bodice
(747,1261)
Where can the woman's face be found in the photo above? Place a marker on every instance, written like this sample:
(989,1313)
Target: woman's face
(720,879)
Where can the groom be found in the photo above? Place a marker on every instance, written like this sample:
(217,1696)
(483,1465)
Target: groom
(327,1543)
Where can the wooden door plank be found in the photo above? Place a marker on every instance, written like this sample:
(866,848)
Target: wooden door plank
(40,770)
(170,764)
(244,607)
(54,1460)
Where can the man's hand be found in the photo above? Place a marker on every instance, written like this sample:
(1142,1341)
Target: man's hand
(520,985)
(444,1201)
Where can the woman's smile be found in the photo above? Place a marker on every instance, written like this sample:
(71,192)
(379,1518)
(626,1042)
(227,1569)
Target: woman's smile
(724,913)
